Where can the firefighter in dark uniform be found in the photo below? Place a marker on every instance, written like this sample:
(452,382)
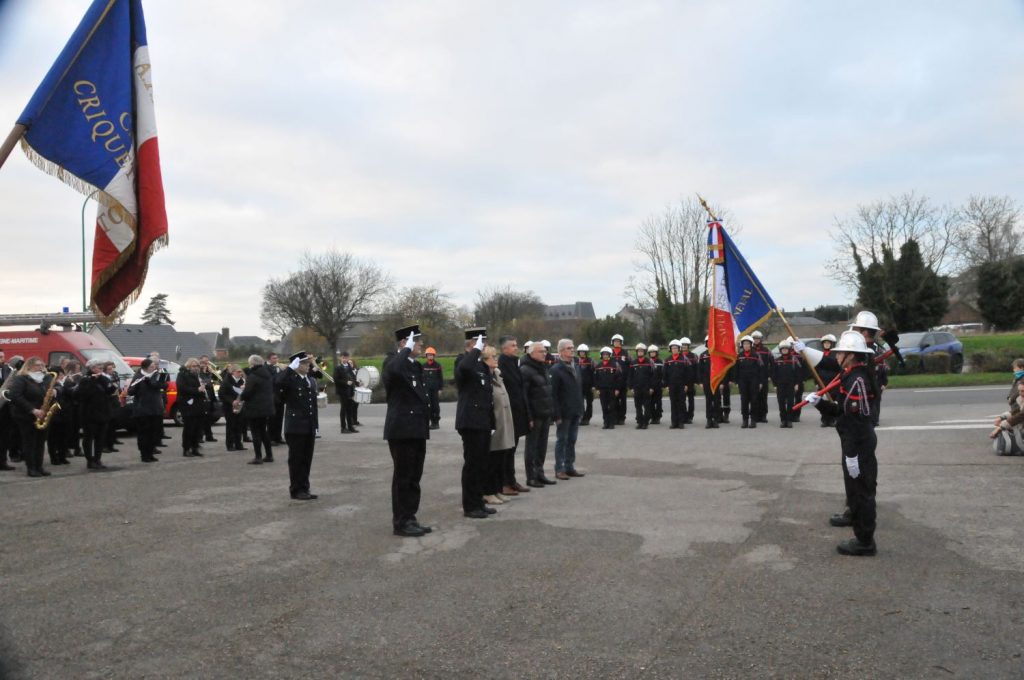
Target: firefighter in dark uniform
(691,377)
(827,369)
(766,367)
(866,323)
(433,374)
(675,375)
(606,381)
(657,384)
(787,373)
(749,374)
(406,429)
(621,357)
(712,398)
(297,389)
(641,381)
(857,438)
(586,365)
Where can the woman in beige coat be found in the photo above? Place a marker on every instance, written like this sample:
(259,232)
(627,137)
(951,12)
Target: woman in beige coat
(503,439)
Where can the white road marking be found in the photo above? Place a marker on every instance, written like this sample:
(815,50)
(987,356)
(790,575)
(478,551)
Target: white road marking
(934,390)
(984,419)
(936,427)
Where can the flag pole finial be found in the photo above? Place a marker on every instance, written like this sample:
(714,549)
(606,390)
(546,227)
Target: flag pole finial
(705,204)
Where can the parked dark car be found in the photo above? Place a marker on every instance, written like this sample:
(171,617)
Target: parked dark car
(918,344)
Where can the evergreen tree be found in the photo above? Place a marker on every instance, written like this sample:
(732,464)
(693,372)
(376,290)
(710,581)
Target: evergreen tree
(905,292)
(157,312)
(1001,294)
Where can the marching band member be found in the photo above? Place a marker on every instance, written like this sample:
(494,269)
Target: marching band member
(7,426)
(206,377)
(147,389)
(95,394)
(345,387)
(231,389)
(60,423)
(257,406)
(27,391)
(190,403)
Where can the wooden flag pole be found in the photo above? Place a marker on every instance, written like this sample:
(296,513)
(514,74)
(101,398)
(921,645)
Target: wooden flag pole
(9,143)
(792,333)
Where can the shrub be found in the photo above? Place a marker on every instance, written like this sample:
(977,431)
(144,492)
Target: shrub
(933,362)
(992,360)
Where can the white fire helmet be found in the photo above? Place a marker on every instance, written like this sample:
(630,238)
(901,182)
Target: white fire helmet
(618,337)
(641,346)
(583,347)
(757,335)
(606,350)
(675,343)
(747,338)
(866,320)
(652,348)
(852,341)
(828,337)
(686,341)
(786,344)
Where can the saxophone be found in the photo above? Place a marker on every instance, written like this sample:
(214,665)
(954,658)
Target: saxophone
(50,406)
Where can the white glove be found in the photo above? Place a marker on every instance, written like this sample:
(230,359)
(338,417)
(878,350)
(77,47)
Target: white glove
(410,342)
(853,466)
(479,342)
(812,398)
(799,346)
(295,364)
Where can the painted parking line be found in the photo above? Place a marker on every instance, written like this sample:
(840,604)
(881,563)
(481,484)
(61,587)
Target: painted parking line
(936,390)
(936,427)
(985,419)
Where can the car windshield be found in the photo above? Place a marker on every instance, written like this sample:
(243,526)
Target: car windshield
(104,354)
(911,339)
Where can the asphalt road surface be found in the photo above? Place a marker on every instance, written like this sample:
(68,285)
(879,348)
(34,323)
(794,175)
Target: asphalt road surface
(681,554)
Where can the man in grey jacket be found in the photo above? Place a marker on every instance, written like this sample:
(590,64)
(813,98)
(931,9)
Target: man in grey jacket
(567,406)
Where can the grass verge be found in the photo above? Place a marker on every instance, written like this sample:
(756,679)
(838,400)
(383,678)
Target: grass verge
(950,380)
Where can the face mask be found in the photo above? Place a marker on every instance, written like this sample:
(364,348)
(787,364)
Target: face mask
(37,376)
(1017,375)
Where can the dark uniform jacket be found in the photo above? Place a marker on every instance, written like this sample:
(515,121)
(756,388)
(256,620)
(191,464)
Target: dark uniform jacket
(607,375)
(749,367)
(828,367)
(767,361)
(433,373)
(621,357)
(27,395)
(787,371)
(94,395)
(641,376)
(190,389)
(513,379)
(258,394)
(147,394)
(566,394)
(343,374)
(298,394)
(408,415)
(853,408)
(659,373)
(537,386)
(586,366)
(227,394)
(475,410)
(678,371)
(881,368)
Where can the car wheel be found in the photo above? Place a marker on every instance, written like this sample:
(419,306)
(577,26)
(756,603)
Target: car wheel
(957,363)
(176,416)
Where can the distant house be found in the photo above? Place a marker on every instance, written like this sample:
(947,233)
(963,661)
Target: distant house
(640,318)
(961,312)
(138,340)
(578,311)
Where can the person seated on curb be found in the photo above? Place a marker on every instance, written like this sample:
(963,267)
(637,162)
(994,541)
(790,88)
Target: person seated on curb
(1009,427)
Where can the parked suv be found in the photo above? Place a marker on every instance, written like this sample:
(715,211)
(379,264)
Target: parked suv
(919,344)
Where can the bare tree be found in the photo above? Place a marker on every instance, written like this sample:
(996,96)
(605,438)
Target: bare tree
(499,306)
(887,225)
(990,230)
(439,319)
(328,290)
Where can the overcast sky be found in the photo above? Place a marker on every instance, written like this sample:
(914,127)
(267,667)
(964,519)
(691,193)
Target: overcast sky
(470,144)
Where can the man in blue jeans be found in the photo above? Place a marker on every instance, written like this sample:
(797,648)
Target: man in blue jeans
(567,401)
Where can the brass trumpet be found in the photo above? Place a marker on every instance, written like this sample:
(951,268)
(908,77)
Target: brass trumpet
(323,370)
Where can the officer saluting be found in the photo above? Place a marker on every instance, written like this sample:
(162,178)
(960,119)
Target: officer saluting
(297,390)
(407,429)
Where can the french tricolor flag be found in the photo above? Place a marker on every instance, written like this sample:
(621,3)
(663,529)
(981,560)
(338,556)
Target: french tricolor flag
(91,124)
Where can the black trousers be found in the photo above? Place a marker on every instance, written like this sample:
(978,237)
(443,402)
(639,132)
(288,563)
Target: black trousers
(7,434)
(657,408)
(691,389)
(348,413)
(147,434)
(476,449)
(677,404)
(408,456)
(762,403)
(508,466)
(234,425)
(860,492)
(435,404)
(712,403)
(494,477)
(94,439)
(208,419)
(32,443)
(191,431)
(300,460)
(57,441)
(276,422)
(642,406)
(620,404)
(749,395)
(798,396)
(609,407)
(261,435)
(588,405)
(536,448)
(785,394)
(725,395)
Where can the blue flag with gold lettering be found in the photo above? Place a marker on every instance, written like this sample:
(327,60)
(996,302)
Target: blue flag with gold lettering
(749,304)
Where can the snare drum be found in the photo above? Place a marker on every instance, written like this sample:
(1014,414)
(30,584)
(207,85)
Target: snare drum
(368,376)
(364,395)
(321,400)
